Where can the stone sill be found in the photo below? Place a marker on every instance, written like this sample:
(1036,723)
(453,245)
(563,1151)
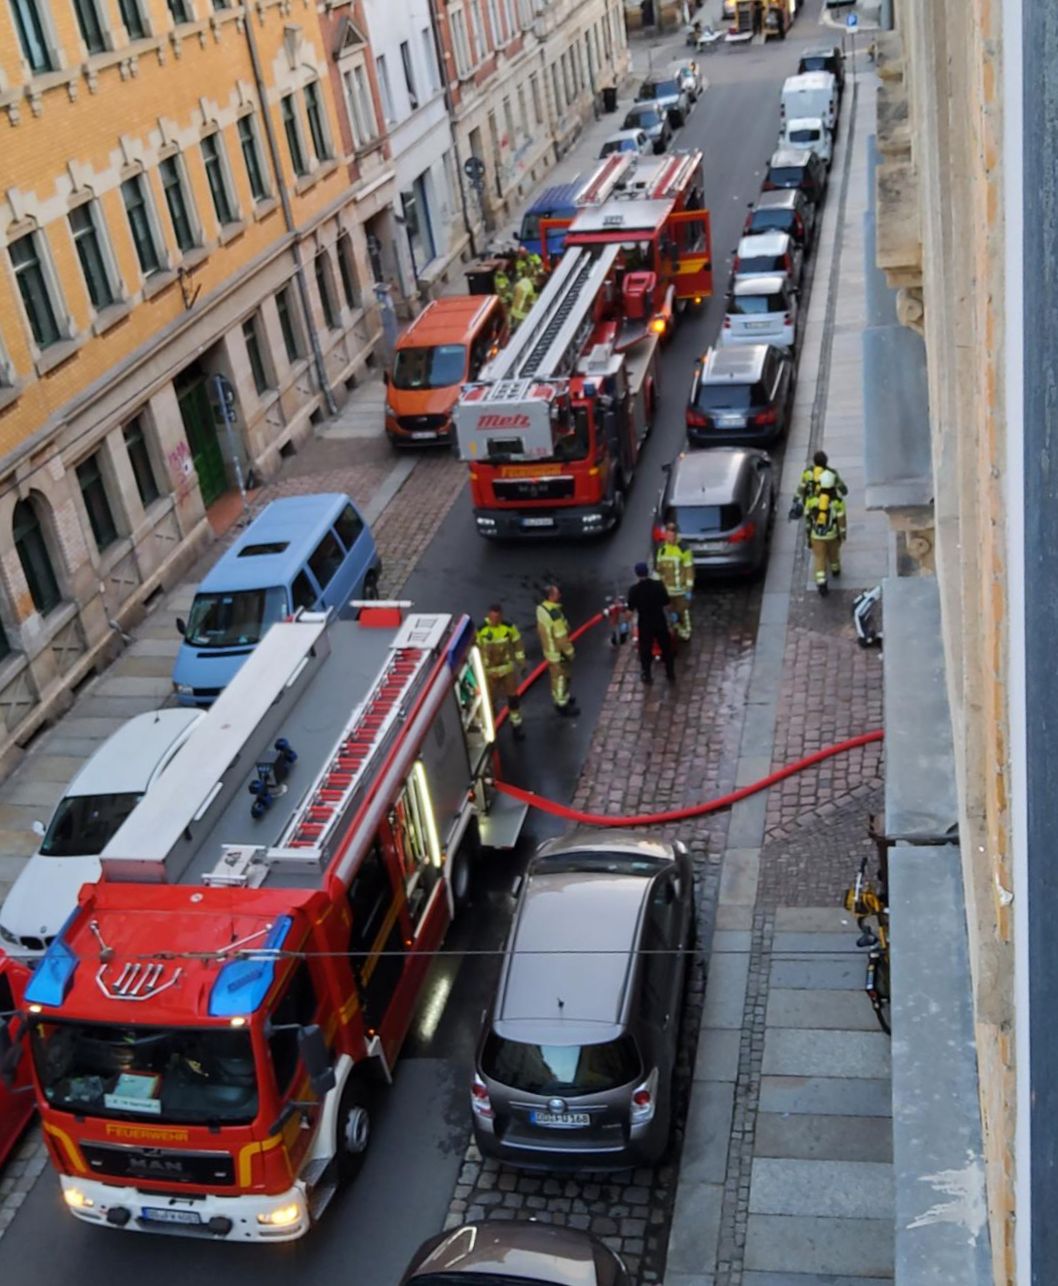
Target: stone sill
(10,393)
(231,232)
(57,354)
(897,207)
(110,317)
(157,282)
(264,208)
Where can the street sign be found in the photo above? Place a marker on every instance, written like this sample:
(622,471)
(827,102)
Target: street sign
(474,168)
(852,21)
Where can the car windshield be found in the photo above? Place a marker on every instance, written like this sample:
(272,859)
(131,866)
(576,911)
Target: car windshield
(572,436)
(814,62)
(786,176)
(771,221)
(83,825)
(530,228)
(163,1074)
(659,89)
(725,397)
(234,620)
(439,367)
(804,136)
(760,263)
(561,1069)
(643,118)
(707,520)
(618,145)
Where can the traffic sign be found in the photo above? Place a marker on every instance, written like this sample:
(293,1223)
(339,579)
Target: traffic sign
(474,167)
(852,21)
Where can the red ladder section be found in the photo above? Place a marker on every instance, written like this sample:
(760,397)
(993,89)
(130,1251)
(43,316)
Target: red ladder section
(673,175)
(345,773)
(605,179)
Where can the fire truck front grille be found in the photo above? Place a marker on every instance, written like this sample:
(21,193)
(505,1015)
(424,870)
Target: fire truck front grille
(422,423)
(534,489)
(210,1169)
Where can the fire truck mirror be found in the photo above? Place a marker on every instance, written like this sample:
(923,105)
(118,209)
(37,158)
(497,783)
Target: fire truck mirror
(317,1059)
(11,1049)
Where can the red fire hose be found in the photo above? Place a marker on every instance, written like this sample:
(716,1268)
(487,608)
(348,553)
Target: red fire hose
(673,814)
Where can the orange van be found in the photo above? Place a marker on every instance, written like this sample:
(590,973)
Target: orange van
(442,349)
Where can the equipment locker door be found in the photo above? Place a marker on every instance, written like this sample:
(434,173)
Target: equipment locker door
(693,253)
(376,939)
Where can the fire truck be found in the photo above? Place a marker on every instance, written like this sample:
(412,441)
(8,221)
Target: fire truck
(553,426)
(17,1103)
(212,1025)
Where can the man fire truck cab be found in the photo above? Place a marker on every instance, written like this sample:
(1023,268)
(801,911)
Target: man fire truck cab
(208,1028)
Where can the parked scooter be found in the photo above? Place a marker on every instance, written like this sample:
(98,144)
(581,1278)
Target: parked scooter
(866,612)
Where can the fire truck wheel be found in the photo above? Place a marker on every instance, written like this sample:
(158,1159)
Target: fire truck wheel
(462,877)
(618,508)
(354,1129)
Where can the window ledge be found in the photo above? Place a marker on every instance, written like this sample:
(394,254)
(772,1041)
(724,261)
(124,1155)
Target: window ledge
(10,393)
(157,282)
(193,257)
(57,354)
(112,554)
(45,80)
(264,208)
(231,232)
(306,181)
(372,145)
(109,317)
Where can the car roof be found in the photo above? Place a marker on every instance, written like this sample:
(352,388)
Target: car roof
(787,156)
(764,243)
(452,319)
(709,477)
(734,364)
(297,522)
(806,122)
(558,197)
(522,1251)
(778,198)
(769,285)
(125,763)
(821,51)
(645,105)
(621,134)
(809,80)
(656,80)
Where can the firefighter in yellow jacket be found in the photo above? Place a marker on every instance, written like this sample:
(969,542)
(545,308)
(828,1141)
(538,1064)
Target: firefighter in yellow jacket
(674,564)
(553,628)
(825,517)
(504,657)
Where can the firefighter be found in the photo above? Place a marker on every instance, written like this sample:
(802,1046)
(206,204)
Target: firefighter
(674,564)
(522,299)
(533,266)
(809,482)
(501,284)
(553,628)
(825,515)
(504,657)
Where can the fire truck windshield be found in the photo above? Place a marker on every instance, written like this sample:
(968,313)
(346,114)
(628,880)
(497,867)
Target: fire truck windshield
(572,435)
(162,1074)
(438,367)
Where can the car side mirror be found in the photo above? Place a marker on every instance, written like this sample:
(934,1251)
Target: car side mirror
(667,468)
(38,828)
(181,625)
(317,1059)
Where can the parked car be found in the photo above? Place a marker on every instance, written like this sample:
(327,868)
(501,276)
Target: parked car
(627,140)
(783,210)
(98,800)
(689,74)
(723,502)
(791,168)
(741,395)
(653,120)
(527,1254)
(767,253)
(311,552)
(813,93)
(669,94)
(760,310)
(809,134)
(826,58)
(575,1063)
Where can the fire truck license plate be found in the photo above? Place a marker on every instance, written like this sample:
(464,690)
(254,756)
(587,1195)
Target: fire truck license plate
(158,1214)
(538,522)
(560,1120)
(423,437)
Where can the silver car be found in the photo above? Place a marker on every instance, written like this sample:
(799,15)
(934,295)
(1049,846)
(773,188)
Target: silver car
(575,1064)
(689,74)
(723,502)
(760,310)
(766,253)
(669,93)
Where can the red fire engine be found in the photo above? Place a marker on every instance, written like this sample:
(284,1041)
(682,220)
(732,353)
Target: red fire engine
(553,427)
(208,1027)
(17,1103)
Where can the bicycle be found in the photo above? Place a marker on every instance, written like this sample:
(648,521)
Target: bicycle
(867,903)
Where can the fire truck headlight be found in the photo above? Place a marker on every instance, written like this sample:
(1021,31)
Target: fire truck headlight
(592,520)
(281,1216)
(76,1199)
(658,325)
(488,523)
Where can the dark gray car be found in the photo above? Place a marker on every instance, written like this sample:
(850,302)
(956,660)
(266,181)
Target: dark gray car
(574,1067)
(653,120)
(741,395)
(783,210)
(723,501)
(501,1250)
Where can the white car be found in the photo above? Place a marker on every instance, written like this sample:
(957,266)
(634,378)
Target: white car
(760,310)
(809,134)
(688,73)
(95,805)
(627,140)
(768,253)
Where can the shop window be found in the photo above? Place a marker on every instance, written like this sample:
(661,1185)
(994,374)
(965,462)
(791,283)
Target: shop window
(32,551)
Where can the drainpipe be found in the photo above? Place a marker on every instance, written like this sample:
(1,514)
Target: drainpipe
(442,67)
(288,218)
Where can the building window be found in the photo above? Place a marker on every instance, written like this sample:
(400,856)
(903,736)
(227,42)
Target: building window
(90,252)
(534,92)
(478,28)
(494,23)
(141,224)
(460,43)
(361,109)
(251,154)
(417,224)
(409,74)
(324,286)
(181,11)
(293,133)
(34,288)
(220,5)
(216,175)
(385,92)
(252,337)
(94,493)
(508,121)
(523,115)
(140,459)
(317,123)
(177,201)
(5,650)
(525,13)
(30,27)
(132,19)
(347,272)
(89,25)
(429,61)
(288,324)
(508,17)
(556,84)
(33,555)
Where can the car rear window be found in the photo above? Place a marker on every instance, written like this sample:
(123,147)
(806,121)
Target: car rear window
(729,397)
(707,520)
(761,263)
(755,305)
(786,176)
(804,136)
(561,1069)
(771,221)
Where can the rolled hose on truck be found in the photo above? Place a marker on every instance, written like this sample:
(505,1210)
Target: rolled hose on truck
(717,805)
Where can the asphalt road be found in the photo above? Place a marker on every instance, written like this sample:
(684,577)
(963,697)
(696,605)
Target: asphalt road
(421,1132)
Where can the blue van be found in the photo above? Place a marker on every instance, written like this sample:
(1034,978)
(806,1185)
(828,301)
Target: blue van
(302,551)
(552,203)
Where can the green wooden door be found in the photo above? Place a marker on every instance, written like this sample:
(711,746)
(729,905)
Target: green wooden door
(197,415)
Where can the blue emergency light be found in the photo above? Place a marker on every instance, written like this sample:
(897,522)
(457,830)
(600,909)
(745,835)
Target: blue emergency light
(53,977)
(243,983)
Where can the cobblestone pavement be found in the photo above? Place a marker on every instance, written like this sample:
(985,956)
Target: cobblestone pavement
(653,749)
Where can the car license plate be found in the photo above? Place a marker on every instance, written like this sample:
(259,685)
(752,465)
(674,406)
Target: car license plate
(157,1214)
(427,436)
(538,522)
(560,1120)
(729,421)
(758,325)
(713,547)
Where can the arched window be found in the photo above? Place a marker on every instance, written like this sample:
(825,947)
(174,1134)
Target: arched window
(34,557)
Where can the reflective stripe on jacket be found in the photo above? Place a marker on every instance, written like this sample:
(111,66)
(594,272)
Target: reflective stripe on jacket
(825,523)
(675,565)
(553,628)
(501,649)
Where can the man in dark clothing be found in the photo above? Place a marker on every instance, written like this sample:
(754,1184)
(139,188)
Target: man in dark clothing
(649,599)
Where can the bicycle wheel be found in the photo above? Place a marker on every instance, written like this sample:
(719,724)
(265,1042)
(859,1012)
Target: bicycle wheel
(877,987)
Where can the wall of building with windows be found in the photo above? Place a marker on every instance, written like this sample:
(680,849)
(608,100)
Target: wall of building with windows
(167,164)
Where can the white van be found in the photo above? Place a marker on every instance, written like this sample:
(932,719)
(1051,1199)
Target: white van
(810,133)
(812,94)
(95,806)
